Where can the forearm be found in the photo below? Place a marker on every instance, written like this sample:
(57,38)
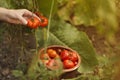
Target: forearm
(3,13)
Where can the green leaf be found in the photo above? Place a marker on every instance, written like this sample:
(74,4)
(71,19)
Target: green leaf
(80,12)
(64,34)
(88,12)
(92,13)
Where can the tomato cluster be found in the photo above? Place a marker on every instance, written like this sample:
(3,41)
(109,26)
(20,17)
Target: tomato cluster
(34,22)
(69,59)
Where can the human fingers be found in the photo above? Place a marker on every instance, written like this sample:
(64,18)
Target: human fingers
(30,14)
(22,20)
(13,21)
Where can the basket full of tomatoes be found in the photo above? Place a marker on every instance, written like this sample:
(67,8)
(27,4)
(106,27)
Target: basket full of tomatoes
(57,56)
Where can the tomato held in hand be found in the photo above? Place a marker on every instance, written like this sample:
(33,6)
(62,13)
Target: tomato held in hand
(33,22)
(29,23)
(68,64)
(44,21)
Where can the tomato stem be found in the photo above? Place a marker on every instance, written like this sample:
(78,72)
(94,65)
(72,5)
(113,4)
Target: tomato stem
(49,22)
(36,51)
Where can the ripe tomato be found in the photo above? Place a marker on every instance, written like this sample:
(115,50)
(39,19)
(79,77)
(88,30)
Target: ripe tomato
(53,64)
(44,21)
(73,56)
(33,22)
(68,64)
(44,56)
(29,23)
(64,54)
(52,53)
(36,22)
(75,63)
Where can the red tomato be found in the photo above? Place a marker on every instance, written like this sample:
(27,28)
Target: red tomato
(36,22)
(73,56)
(44,21)
(53,64)
(52,53)
(64,54)
(33,22)
(75,63)
(29,23)
(68,64)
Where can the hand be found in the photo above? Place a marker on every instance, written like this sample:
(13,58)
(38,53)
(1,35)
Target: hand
(18,16)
